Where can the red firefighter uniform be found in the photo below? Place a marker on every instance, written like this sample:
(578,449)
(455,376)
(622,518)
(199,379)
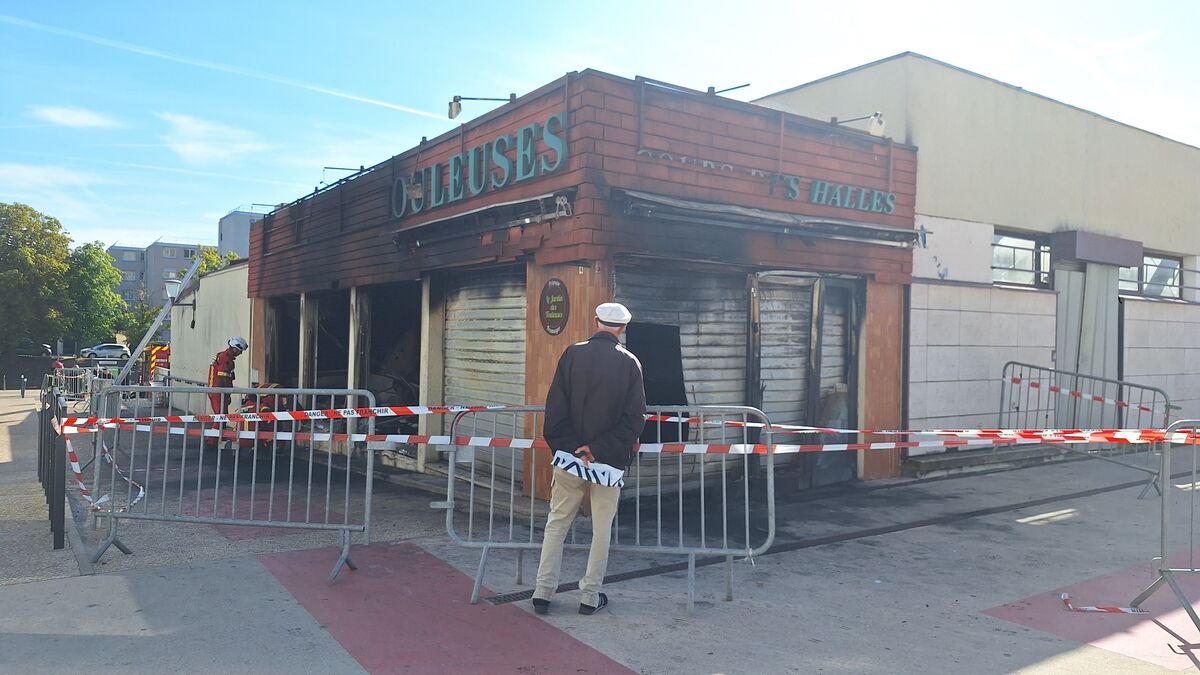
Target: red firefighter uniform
(220,374)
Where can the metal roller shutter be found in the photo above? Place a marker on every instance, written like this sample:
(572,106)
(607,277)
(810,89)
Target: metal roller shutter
(785,319)
(485,338)
(833,338)
(711,310)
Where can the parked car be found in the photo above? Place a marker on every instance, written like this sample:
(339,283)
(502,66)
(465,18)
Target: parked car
(28,348)
(108,350)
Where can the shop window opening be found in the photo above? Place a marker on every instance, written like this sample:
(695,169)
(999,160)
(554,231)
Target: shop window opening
(393,351)
(1157,277)
(1020,260)
(658,348)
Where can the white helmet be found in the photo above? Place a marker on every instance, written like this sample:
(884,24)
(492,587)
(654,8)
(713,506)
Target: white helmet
(239,343)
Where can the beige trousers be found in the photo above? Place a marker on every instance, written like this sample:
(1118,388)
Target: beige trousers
(566,493)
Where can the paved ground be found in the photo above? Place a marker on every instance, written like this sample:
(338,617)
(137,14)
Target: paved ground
(956,575)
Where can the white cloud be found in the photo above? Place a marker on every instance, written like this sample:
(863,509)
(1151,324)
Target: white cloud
(199,141)
(79,118)
(30,177)
(57,191)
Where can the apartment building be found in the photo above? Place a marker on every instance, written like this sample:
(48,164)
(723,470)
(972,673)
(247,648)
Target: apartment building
(131,261)
(147,268)
(233,232)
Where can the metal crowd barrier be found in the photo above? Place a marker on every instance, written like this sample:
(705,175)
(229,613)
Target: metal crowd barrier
(169,379)
(1166,572)
(287,474)
(707,500)
(1037,397)
(75,383)
(163,377)
(52,462)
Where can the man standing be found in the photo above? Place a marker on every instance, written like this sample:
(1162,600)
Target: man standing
(595,412)
(220,374)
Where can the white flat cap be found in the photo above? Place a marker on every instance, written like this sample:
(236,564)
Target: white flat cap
(613,312)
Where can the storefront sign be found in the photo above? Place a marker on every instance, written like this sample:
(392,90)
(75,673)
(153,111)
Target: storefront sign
(834,194)
(554,307)
(819,191)
(508,159)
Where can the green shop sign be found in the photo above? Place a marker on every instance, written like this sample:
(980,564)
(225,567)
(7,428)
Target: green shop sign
(834,194)
(510,158)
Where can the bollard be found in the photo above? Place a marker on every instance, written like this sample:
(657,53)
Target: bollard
(22,386)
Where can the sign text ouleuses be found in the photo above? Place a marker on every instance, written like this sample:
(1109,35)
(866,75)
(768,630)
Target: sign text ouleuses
(507,159)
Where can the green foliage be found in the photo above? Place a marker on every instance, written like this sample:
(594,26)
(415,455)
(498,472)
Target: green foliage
(94,307)
(138,318)
(210,261)
(33,267)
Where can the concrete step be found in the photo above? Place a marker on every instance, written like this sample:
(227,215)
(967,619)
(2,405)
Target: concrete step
(987,459)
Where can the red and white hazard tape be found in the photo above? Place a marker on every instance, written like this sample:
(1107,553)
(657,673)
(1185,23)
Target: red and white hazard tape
(664,448)
(86,494)
(74,460)
(1073,435)
(1066,600)
(1055,389)
(291,416)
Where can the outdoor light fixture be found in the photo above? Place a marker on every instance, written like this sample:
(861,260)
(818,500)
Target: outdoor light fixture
(874,126)
(456,102)
(171,286)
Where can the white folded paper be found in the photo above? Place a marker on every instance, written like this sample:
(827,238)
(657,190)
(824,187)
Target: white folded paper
(595,472)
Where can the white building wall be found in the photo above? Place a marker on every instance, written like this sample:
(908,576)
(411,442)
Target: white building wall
(1162,349)
(992,155)
(233,233)
(960,338)
(993,152)
(953,250)
(222,311)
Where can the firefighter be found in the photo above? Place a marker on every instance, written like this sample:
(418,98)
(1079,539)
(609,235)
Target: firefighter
(220,374)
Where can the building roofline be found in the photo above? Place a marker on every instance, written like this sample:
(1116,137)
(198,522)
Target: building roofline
(972,73)
(559,83)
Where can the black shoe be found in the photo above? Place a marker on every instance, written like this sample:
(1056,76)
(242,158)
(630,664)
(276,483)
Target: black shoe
(588,609)
(541,606)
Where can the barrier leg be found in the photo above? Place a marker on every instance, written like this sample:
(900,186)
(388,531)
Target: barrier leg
(1152,483)
(479,577)
(691,583)
(1183,599)
(344,558)
(728,578)
(110,540)
(520,567)
(1150,590)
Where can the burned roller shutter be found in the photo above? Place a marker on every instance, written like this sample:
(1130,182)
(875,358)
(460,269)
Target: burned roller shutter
(835,407)
(834,328)
(710,310)
(785,322)
(484,352)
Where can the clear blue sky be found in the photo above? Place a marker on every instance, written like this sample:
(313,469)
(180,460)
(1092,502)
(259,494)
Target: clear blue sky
(131,121)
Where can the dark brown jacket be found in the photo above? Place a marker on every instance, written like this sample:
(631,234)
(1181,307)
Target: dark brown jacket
(597,400)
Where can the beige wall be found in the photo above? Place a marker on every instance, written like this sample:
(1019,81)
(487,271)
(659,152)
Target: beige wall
(1162,349)
(960,338)
(955,250)
(222,311)
(993,153)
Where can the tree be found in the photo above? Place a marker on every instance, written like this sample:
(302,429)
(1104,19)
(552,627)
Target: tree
(138,318)
(94,307)
(33,265)
(210,261)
